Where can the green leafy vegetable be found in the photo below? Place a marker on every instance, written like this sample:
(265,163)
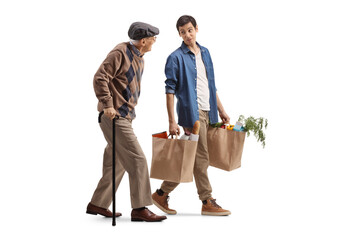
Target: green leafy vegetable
(216,125)
(255,125)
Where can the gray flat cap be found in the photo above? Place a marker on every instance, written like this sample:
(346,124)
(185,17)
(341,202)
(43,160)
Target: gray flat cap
(139,30)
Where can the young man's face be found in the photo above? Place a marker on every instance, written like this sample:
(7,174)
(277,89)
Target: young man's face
(188,33)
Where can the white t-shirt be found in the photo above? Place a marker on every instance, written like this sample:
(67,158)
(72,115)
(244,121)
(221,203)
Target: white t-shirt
(202,85)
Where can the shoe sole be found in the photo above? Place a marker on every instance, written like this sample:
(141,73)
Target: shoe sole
(95,213)
(92,213)
(215,213)
(142,220)
(163,209)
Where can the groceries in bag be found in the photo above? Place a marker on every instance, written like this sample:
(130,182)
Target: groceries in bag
(248,125)
(194,135)
(161,135)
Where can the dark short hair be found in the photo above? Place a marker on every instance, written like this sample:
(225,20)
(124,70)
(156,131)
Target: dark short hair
(185,19)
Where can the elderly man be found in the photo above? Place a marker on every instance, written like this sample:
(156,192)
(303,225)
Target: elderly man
(117,87)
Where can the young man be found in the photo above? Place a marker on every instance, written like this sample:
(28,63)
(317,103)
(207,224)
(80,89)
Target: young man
(117,86)
(190,77)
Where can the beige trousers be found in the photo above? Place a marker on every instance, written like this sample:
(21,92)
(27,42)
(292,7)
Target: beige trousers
(129,158)
(201,163)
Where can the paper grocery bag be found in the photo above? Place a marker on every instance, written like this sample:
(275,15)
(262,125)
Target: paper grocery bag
(173,159)
(225,148)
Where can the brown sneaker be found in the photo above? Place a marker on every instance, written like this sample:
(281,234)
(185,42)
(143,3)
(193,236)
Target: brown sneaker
(213,209)
(161,201)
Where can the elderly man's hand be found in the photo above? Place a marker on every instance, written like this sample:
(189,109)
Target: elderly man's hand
(110,112)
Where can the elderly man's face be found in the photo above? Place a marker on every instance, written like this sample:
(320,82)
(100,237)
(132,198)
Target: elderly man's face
(149,41)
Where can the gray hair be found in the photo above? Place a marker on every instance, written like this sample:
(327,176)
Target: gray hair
(135,42)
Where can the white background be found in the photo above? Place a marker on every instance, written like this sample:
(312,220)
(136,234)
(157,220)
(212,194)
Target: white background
(294,62)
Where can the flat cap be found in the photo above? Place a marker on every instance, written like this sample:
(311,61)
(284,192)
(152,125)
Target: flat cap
(139,30)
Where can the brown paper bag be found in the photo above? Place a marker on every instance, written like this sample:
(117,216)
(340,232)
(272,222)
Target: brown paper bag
(173,159)
(225,148)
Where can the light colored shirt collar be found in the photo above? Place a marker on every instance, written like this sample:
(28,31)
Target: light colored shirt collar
(136,51)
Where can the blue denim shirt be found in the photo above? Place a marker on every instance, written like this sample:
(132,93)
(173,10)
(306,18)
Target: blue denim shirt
(181,77)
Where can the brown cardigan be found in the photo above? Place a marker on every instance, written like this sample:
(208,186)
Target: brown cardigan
(117,81)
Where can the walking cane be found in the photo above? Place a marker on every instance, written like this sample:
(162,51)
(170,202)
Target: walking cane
(113,175)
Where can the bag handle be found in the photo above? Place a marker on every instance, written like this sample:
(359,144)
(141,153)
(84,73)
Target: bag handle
(173,135)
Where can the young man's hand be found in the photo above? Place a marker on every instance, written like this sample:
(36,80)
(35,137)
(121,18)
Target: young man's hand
(110,112)
(224,117)
(174,129)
